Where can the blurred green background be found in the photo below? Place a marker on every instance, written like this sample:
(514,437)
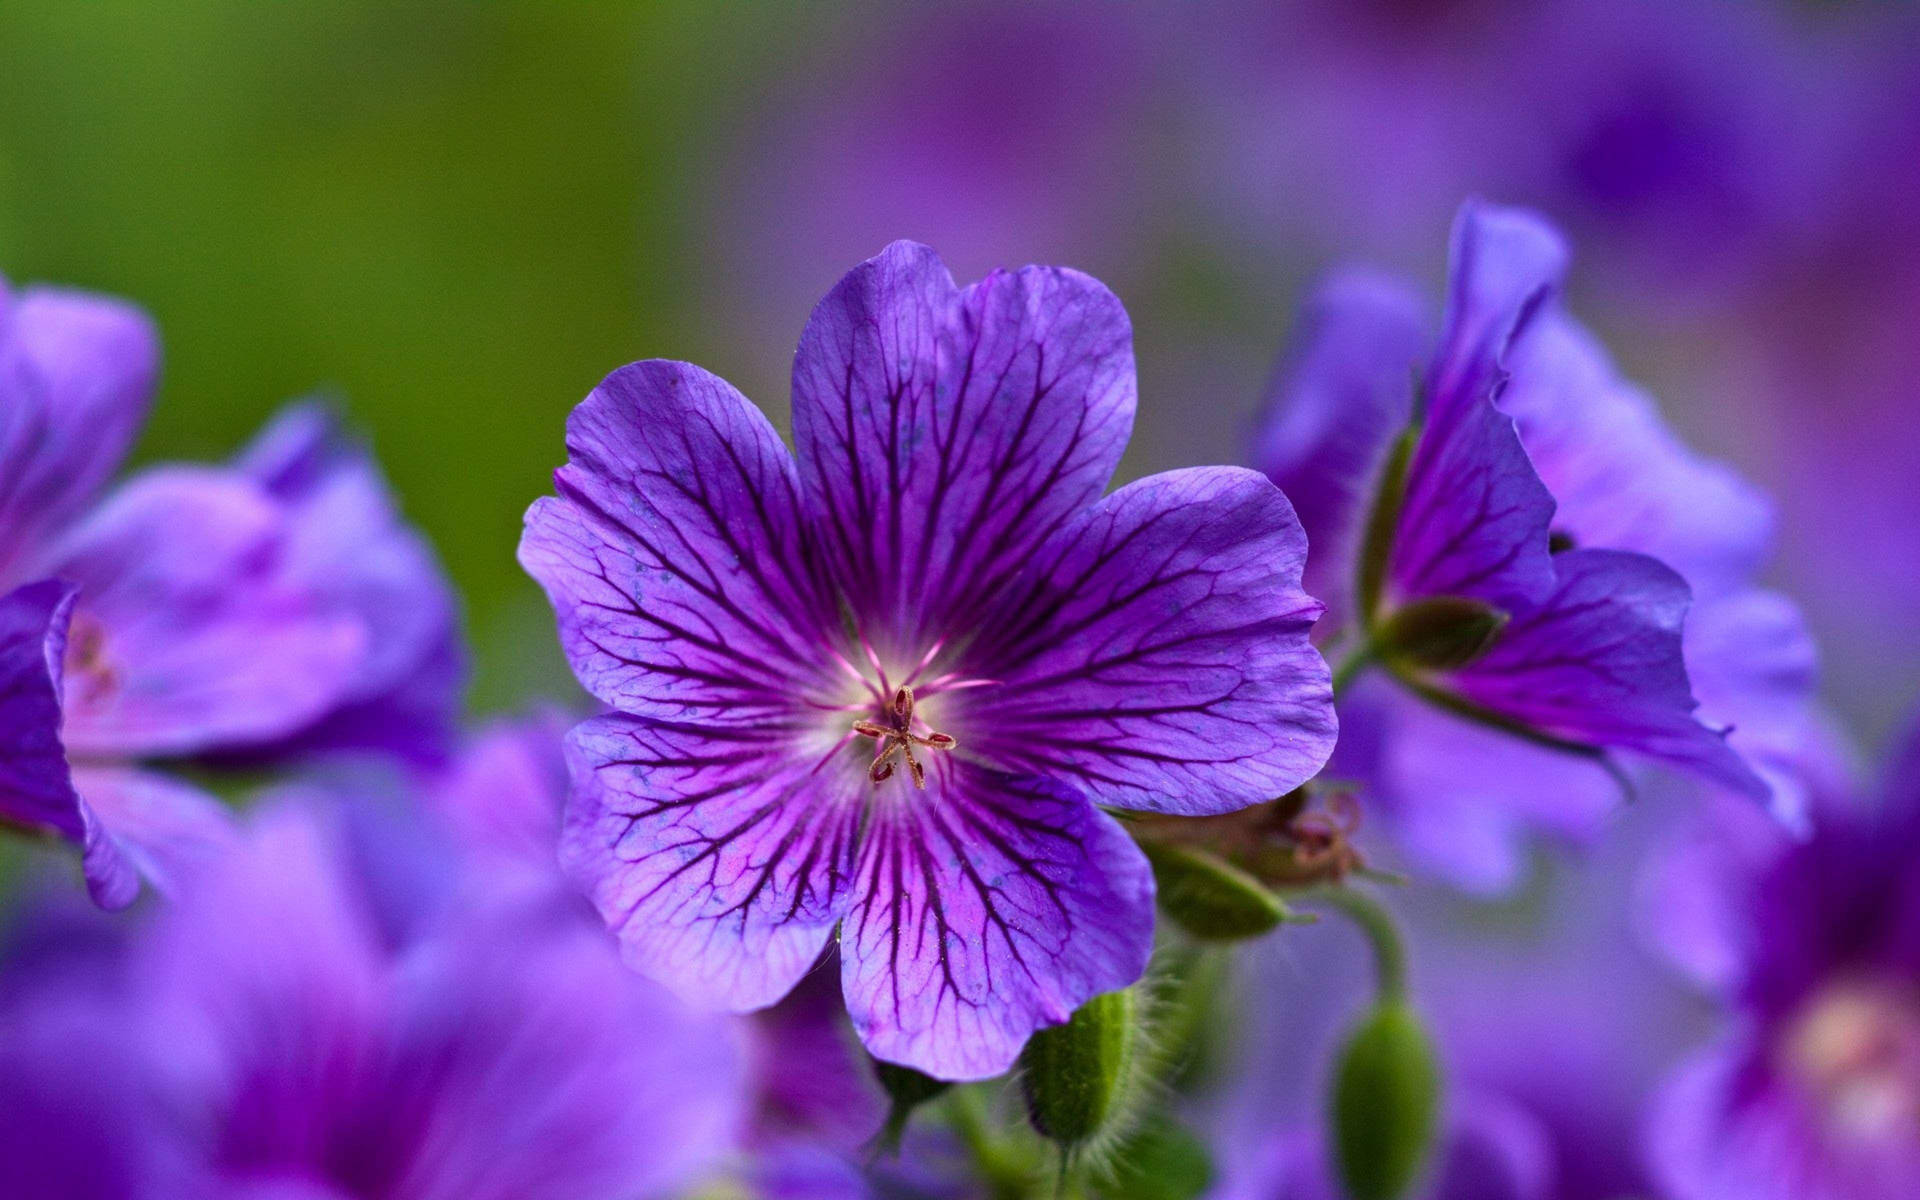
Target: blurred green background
(455,216)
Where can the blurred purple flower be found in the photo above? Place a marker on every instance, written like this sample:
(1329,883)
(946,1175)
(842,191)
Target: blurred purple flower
(1814,1093)
(194,612)
(1543,487)
(270,1038)
(936,597)
(1553,1025)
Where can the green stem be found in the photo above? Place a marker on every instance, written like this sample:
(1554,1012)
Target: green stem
(1350,667)
(1382,932)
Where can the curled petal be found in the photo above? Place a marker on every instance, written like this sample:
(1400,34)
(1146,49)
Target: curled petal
(986,908)
(944,434)
(76,373)
(36,789)
(169,831)
(1504,264)
(720,856)
(1162,652)
(1599,664)
(189,636)
(675,555)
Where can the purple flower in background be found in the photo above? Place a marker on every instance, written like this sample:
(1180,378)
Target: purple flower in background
(193,612)
(267,1036)
(1543,490)
(1554,1030)
(885,687)
(1814,1093)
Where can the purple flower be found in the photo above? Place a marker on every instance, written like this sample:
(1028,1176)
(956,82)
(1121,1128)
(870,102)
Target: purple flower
(193,612)
(885,687)
(1542,489)
(269,1037)
(1814,1091)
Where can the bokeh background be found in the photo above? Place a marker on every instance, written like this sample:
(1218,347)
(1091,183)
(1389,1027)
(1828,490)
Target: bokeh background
(458,216)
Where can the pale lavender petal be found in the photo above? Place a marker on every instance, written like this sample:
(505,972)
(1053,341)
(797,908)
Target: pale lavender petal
(944,434)
(1159,651)
(1755,669)
(1622,480)
(1340,398)
(529,1064)
(987,908)
(1476,519)
(1599,664)
(675,555)
(188,636)
(1697,892)
(504,793)
(720,855)
(1461,802)
(349,547)
(168,830)
(1504,264)
(264,992)
(76,373)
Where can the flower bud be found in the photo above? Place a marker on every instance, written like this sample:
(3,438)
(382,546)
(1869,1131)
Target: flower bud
(1385,1093)
(1440,633)
(1074,1075)
(907,1089)
(1209,897)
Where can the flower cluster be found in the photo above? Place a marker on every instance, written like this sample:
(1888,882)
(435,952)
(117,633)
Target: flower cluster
(918,722)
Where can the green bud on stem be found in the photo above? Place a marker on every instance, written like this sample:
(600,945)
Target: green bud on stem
(1074,1075)
(1386,1092)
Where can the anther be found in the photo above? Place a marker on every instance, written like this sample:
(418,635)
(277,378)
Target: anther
(897,737)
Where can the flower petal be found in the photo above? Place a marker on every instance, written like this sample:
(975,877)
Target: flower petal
(1342,396)
(944,434)
(1156,651)
(168,830)
(194,639)
(720,855)
(1477,521)
(535,1066)
(1504,264)
(36,790)
(1461,802)
(1621,479)
(76,373)
(1599,663)
(675,556)
(987,908)
(348,546)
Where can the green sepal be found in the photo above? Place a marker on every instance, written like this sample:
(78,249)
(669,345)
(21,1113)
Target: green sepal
(1383,522)
(907,1089)
(1209,897)
(1386,1093)
(1439,633)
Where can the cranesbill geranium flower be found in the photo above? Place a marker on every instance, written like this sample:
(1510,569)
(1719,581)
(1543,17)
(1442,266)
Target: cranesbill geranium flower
(1528,639)
(1814,1091)
(274,605)
(278,1032)
(887,686)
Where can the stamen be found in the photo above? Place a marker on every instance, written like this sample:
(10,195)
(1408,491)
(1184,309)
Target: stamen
(897,737)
